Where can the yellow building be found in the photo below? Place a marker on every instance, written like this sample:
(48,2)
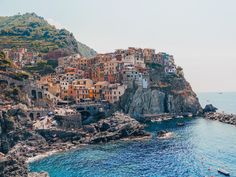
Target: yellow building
(82,89)
(88,83)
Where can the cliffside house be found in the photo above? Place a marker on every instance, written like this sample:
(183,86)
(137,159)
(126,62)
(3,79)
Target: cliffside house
(99,87)
(113,92)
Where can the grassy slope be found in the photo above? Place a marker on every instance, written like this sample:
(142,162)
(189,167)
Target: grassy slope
(35,33)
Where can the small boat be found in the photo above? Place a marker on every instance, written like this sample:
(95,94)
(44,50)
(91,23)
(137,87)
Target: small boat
(222,171)
(180,124)
(179,117)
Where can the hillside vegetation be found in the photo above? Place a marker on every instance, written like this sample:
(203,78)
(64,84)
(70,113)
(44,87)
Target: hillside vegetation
(35,33)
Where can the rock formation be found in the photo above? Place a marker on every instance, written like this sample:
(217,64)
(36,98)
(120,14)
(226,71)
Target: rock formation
(209,108)
(19,141)
(116,127)
(165,94)
(225,118)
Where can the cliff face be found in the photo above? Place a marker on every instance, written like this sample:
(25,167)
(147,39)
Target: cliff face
(166,94)
(13,128)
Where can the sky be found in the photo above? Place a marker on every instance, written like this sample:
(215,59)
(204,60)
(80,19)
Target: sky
(201,34)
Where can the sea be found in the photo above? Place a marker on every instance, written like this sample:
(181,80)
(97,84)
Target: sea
(197,149)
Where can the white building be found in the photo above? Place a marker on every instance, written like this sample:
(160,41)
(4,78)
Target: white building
(143,80)
(134,59)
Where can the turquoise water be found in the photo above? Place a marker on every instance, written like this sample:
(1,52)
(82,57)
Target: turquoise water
(224,102)
(196,150)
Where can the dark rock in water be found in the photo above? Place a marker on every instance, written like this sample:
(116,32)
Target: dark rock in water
(161,133)
(210,108)
(117,127)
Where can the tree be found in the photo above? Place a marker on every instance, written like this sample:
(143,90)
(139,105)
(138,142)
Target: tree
(47,69)
(2,55)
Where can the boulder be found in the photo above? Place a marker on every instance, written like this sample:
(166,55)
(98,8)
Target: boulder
(89,128)
(105,126)
(116,127)
(210,108)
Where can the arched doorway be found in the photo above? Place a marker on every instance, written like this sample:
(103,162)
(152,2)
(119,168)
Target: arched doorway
(31,115)
(38,115)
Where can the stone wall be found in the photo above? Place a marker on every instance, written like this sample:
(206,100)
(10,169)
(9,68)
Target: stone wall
(70,121)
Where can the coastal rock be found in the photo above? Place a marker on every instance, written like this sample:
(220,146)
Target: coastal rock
(209,108)
(89,129)
(116,127)
(225,118)
(147,101)
(59,135)
(13,126)
(10,167)
(165,94)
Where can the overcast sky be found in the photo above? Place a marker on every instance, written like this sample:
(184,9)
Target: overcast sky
(201,34)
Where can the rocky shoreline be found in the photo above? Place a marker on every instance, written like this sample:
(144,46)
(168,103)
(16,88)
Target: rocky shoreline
(222,117)
(29,144)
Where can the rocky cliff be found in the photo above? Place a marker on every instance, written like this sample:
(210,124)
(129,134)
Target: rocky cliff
(15,128)
(167,93)
(19,141)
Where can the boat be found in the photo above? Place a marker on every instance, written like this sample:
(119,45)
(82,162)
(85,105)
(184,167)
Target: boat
(180,124)
(224,172)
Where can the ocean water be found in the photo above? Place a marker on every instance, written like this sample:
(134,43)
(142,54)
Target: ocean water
(195,150)
(223,101)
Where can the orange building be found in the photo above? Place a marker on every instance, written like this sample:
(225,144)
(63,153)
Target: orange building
(82,88)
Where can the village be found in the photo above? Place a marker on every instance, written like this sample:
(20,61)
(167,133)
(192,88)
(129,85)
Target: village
(102,78)
(87,87)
